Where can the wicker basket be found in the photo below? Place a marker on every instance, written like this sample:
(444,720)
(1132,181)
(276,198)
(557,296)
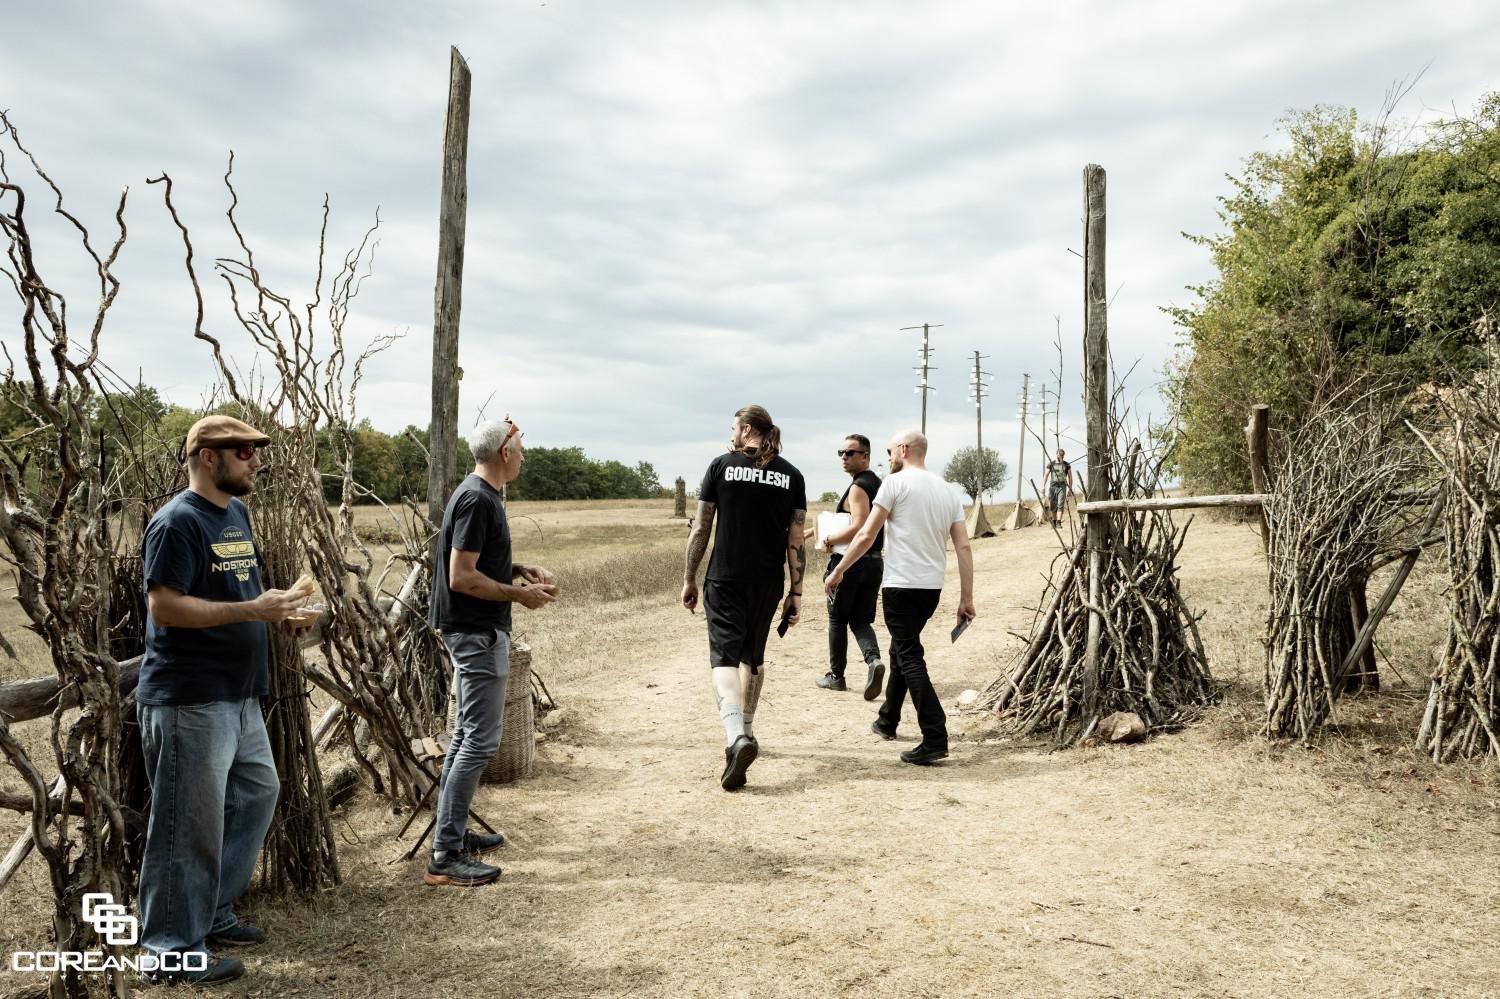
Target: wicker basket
(512,761)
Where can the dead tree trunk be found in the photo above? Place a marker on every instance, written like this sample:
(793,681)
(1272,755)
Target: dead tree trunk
(442,476)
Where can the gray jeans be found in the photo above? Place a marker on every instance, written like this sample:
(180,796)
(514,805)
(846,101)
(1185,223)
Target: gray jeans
(482,667)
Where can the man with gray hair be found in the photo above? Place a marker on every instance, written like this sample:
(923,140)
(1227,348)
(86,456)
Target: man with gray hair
(473,587)
(919,512)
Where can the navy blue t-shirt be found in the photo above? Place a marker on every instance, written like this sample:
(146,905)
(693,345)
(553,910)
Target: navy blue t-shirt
(474,522)
(197,548)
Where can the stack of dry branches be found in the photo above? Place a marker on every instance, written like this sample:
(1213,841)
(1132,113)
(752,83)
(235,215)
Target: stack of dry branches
(1463,702)
(51,527)
(367,668)
(1334,518)
(1151,658)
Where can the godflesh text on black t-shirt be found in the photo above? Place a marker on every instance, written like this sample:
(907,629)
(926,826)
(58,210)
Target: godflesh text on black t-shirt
(754,511)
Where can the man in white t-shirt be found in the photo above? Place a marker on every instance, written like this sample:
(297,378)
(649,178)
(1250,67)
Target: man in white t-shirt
(919,512)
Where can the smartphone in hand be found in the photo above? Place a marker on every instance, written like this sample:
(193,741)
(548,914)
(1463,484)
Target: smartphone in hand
(963,625)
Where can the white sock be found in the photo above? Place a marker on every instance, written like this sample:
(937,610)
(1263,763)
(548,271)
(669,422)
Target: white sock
(733,719)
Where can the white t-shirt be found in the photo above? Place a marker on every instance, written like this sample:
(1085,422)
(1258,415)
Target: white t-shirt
(923,508)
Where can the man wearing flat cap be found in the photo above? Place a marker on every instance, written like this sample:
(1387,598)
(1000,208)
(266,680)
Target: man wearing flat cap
(213,781)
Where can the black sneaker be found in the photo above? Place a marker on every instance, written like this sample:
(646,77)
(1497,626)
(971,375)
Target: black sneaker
(887,734)
(219,970)
(478,844)
(460,870)
(738,759)
(238,935)
(874,680)
(924,755)
(829,681)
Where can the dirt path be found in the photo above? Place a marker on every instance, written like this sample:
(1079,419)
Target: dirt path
(1200,864)
(1190,866)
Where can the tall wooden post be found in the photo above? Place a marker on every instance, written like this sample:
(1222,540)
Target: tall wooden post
(679,499)
(1096,408)
(442,475)
(1257,442)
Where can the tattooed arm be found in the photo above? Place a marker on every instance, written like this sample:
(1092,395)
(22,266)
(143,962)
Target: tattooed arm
(796,561)
(703,529)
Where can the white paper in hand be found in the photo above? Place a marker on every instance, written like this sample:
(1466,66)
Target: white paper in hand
(831,523)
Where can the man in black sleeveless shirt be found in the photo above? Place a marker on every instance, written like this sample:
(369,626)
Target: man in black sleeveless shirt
(760,502)
(852,607)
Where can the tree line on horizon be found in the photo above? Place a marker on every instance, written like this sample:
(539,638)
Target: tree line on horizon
(138,422)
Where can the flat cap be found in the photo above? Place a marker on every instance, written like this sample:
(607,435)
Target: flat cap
(222,431)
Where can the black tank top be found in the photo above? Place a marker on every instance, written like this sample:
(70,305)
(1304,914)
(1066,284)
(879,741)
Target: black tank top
(870,483)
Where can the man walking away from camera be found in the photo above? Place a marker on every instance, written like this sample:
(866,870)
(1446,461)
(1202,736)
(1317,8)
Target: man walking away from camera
(759,501)
(920,512)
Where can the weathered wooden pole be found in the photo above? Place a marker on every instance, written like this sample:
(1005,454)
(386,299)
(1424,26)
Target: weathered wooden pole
(442,476)
(679,499)
(1096,409)
(1257,442)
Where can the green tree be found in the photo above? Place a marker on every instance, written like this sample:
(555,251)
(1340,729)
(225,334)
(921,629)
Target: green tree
(975,476)
(829,497)
(1339,256)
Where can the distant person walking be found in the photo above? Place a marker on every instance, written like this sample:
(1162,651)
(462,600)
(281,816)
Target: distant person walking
(213,780)
(920,512)
(759,501)
(1059,486)
(473,588)
(852,608)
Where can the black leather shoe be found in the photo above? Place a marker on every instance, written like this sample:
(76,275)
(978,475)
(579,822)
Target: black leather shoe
(830,682)
(924,755)
(740,756)
(874,680)
(880,730)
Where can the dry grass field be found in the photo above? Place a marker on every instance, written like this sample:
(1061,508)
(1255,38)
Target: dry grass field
(1203,863)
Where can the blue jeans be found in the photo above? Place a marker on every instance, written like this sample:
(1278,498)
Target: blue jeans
(482,667)
(213,793)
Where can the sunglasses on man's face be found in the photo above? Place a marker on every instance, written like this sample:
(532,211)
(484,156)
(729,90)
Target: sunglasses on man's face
(244,452)
(849,454)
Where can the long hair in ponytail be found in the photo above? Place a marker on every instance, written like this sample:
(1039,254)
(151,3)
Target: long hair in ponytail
(759,420)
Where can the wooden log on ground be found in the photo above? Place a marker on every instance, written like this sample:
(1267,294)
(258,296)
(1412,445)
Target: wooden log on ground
(23,845)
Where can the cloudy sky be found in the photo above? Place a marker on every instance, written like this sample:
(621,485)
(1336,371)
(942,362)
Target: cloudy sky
(678,208)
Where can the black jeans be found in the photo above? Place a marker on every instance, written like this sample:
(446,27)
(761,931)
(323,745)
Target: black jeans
(852,608)
(906,614)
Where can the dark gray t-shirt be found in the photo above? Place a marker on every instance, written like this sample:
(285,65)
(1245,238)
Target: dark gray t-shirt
(474,522)
(197,548)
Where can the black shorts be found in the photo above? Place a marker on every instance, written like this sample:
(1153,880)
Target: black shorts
(739,613)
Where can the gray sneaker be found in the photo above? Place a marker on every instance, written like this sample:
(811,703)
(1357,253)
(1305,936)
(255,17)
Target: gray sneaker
(478,844)
(874,680)
(830,681)
(459,870)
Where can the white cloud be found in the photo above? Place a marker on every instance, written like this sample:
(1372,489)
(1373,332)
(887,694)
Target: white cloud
(678,209)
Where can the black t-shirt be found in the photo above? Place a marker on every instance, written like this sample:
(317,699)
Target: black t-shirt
(754,511)
(870,483)
(197,548)
(1059,470)
(474,522)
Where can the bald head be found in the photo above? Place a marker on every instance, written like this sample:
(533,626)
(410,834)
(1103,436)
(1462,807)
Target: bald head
(908,448)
